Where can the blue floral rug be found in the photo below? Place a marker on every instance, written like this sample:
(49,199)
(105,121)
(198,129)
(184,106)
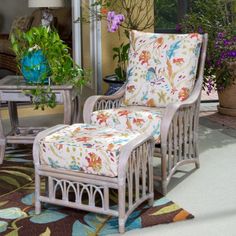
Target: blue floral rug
(17,215)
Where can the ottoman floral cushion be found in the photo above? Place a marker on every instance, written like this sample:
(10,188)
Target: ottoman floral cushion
(162,68)
(83,147)
(136,118)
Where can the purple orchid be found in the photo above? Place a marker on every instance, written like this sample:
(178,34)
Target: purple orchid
(114,21)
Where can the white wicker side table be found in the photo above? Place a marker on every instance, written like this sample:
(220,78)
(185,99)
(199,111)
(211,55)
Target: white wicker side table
(88,162)
(12,89)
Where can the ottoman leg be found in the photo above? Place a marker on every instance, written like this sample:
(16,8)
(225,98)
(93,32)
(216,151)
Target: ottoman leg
(164,187)
(121,203)
(37,194)
(2,150)
(151,201)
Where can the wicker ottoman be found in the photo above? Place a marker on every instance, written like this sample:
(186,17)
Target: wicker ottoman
(88,162)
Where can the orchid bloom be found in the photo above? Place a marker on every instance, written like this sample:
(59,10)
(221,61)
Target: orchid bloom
(114,21)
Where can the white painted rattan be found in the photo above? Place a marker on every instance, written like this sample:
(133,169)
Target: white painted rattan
(134,182)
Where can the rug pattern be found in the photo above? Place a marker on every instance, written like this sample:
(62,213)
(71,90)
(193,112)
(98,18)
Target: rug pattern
(17,217)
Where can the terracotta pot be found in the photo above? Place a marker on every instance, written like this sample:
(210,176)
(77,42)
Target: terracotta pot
(227,97)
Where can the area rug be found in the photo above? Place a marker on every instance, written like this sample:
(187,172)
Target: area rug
(17,215)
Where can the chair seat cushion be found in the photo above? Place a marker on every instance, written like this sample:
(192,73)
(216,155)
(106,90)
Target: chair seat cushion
(135,118)
(83,147)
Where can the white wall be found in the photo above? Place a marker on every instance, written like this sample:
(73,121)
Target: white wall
(9,9)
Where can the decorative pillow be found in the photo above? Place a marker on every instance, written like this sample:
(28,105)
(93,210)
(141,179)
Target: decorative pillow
(162,68)
(22,23)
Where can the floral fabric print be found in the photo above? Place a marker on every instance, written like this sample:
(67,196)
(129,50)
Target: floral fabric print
(84,147)
(141,119)
(162,68)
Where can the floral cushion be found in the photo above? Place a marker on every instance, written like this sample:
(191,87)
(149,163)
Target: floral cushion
(141,119)
(84,147)
(162,68)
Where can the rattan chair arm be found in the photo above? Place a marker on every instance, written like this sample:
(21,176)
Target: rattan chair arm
(91,102)
(42,135)
(172,110)
(126,151)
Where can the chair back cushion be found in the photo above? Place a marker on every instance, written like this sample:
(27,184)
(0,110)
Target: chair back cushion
(162,68)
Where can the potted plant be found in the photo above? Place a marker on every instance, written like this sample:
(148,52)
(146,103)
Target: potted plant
(121,14)
(116,80)
(217,18)
(45,60)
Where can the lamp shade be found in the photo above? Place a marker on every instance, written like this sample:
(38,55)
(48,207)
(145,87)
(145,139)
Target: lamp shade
(45,3)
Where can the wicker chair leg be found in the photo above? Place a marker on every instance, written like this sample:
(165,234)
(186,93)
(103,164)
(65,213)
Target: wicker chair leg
(151,201)
(2,149)
(122,208)
(37,194)
(121,225)
(197,162)
(164,187)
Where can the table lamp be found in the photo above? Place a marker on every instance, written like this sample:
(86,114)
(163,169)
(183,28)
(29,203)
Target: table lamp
(47,16)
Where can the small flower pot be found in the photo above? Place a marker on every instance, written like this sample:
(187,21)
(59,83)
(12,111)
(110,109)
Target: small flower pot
(114,84)
(35,68)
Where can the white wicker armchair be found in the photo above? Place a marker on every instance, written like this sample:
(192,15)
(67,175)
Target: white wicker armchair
(179,125)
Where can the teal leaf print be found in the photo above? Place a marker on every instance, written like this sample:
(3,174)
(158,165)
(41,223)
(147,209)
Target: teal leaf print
(161,201)
(53,207)
(3,226)
(28,199)
(81,229)
(97,224)
(52,163)
(112,225)
(11,213)
(46,216)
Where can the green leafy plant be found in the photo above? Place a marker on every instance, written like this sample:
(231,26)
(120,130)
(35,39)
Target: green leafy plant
(218,19)
(62,69)
(121,55)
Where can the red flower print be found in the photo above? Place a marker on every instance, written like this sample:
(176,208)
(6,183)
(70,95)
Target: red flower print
(107,135)
(183,94)
(83,139)
(102,118)
(178,61)
(77,130)
(90,128)
(138,121)
(130,88)
(194,35)
(123,113)
(59,146)
(151,103)
(94,161)
(159,42)
(145,57)
(110,147)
